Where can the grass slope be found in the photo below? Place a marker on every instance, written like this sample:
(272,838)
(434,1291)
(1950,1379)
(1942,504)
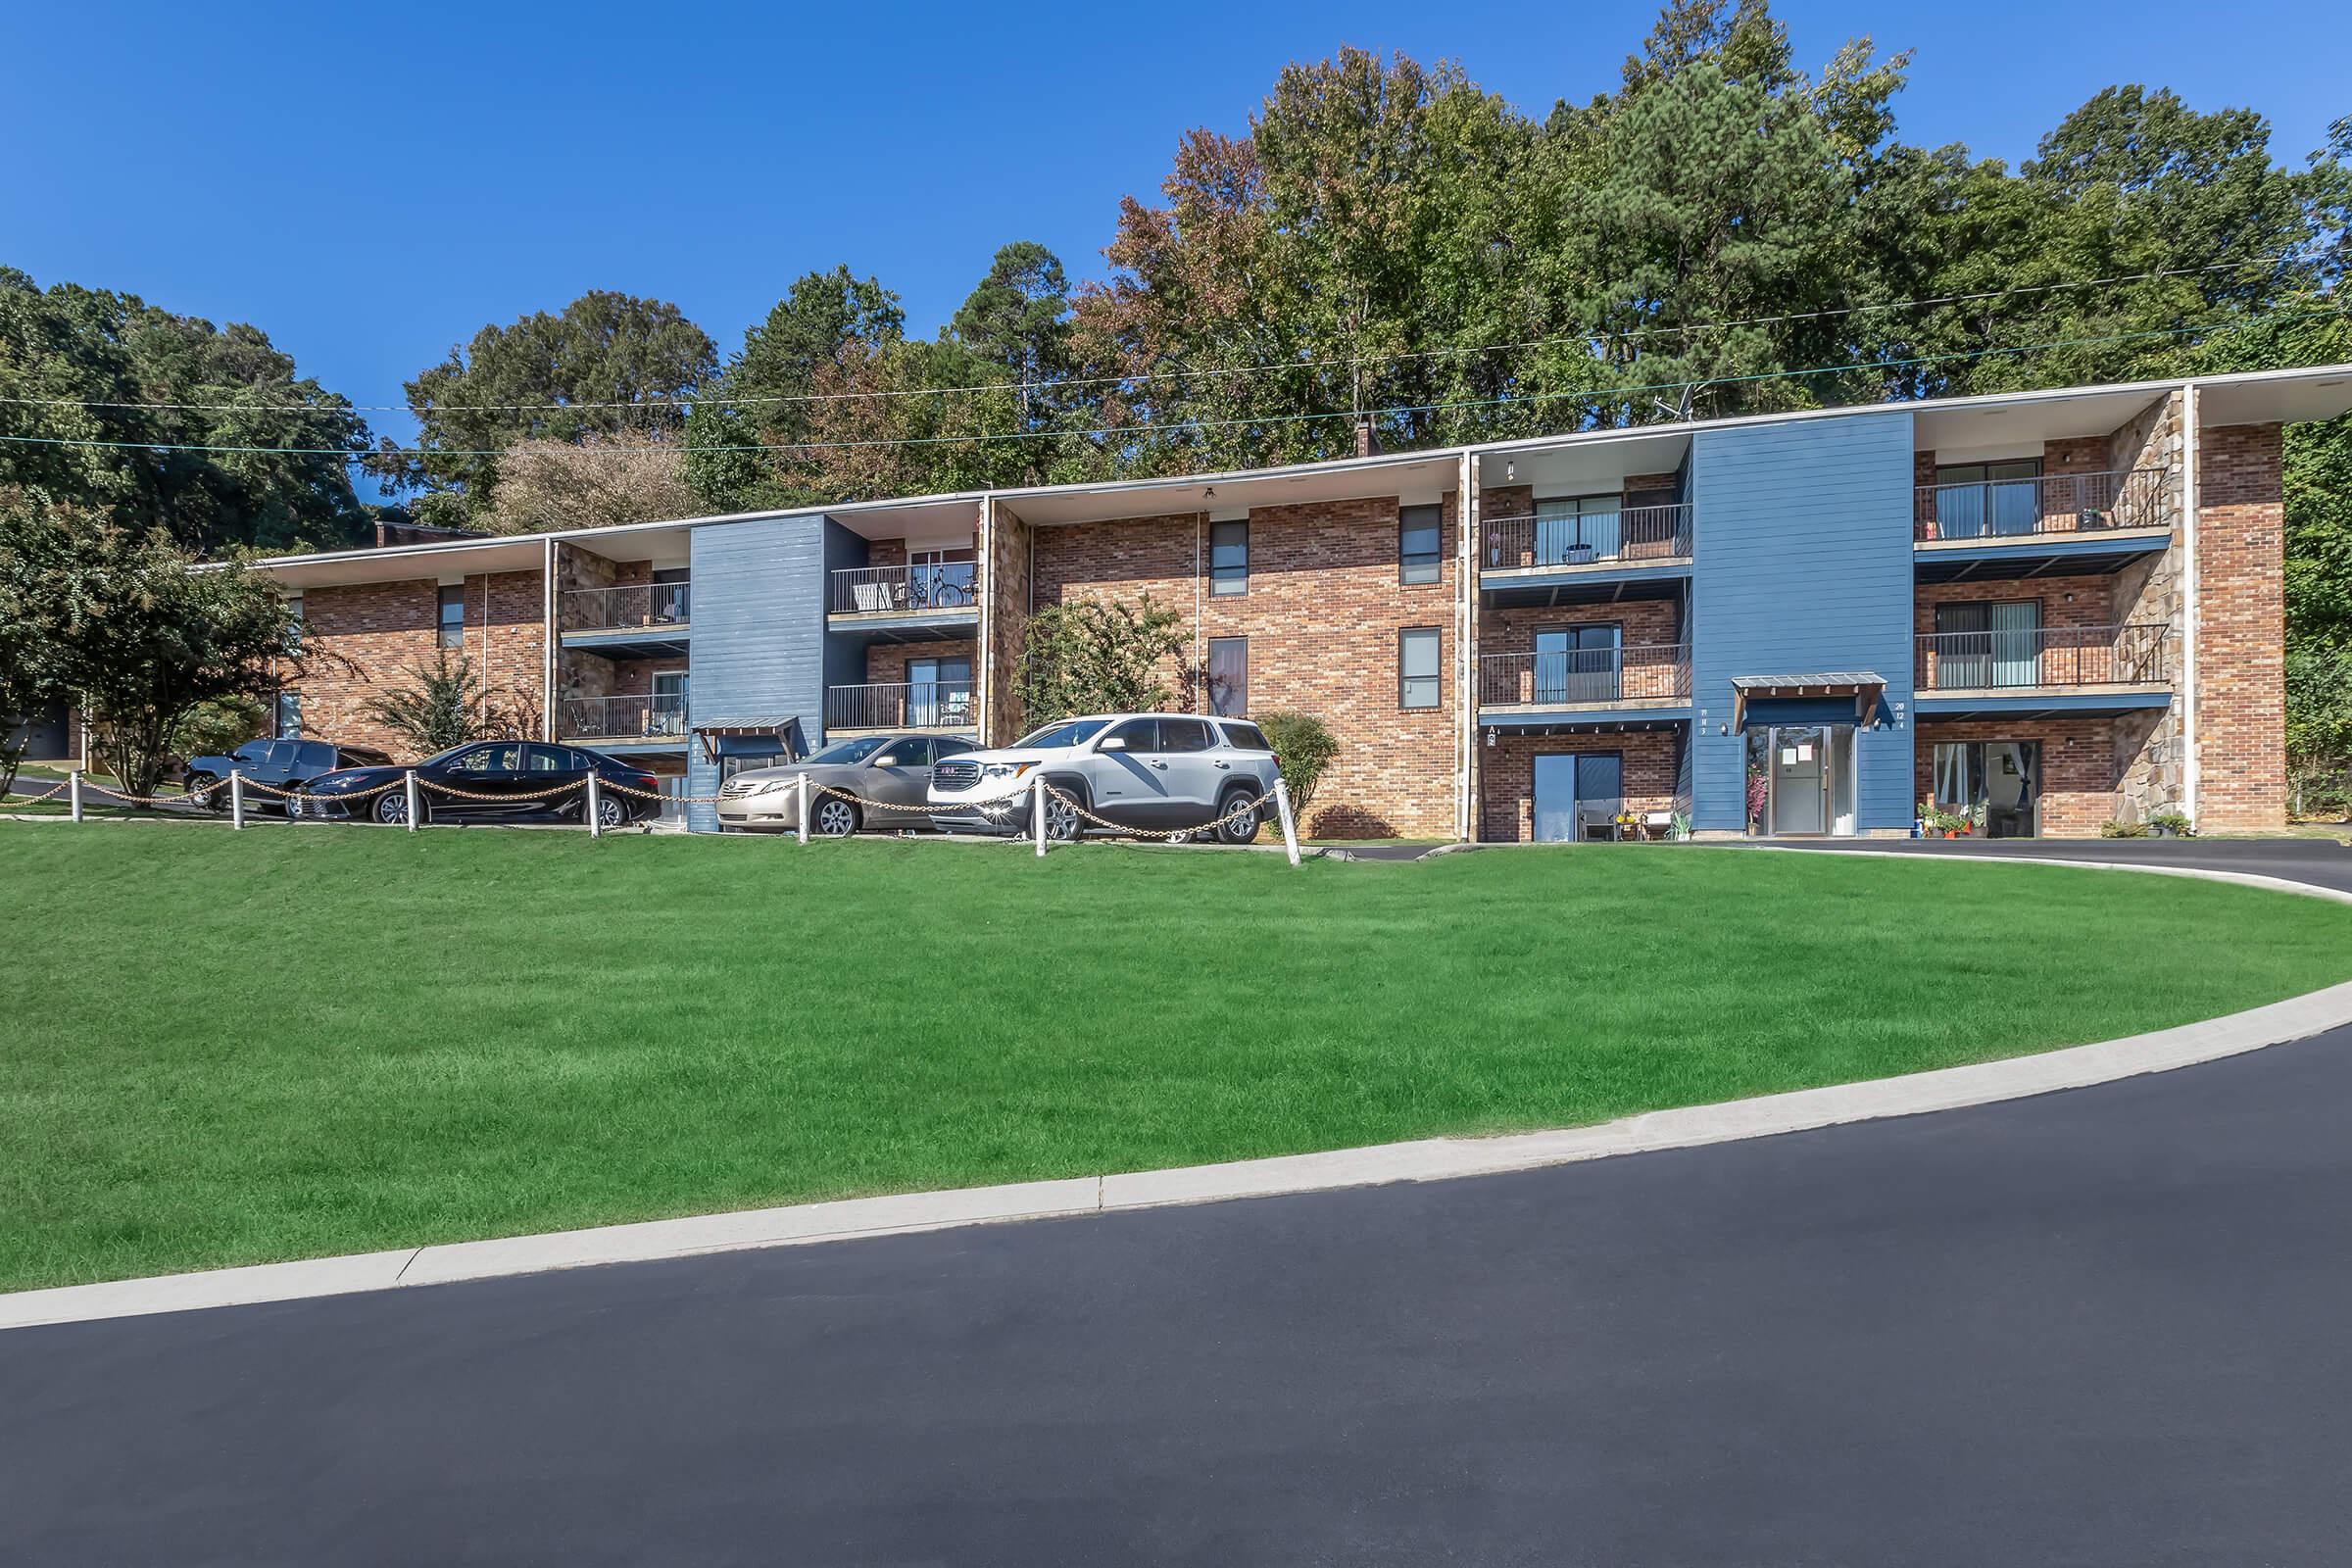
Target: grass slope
(222,1049)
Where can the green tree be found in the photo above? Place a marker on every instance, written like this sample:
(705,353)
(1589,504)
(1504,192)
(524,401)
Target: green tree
(35,559)
(97,387)
(140,638)
(1089,658)
(442,705)
(1305,748)
(610,366)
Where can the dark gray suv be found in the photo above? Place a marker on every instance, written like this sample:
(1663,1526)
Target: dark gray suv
(280,764)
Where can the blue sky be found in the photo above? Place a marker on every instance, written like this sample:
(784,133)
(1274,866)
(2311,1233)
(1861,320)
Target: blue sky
(370,184)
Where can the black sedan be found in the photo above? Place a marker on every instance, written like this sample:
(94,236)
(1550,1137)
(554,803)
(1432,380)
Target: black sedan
(495,781)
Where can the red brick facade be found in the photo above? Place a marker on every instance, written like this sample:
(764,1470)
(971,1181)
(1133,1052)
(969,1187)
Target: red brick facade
(1507,813)
(2241,630)
(364,642)
(2080,767)
(1322,616)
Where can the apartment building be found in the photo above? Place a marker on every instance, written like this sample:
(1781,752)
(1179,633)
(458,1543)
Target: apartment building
(2038,612)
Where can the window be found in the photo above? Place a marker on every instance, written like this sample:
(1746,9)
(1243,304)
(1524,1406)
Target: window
(666,713)
(1245,737)
(289,715)
(1069,732)
(1993,644)
(1578,663)
(941,578)
(315,757)
(1419,532)
(1573,530)
(1228,557)
(453,616)
(1418,684)
(504,757)
(1229,674)
(1977,499)
(947,745)
(1136,735)
(551,759)
(910,751)
(294,615)
(1184,735)
(939,692)
(671,605)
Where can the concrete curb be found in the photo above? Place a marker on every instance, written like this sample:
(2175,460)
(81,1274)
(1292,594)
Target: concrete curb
(1424,1160)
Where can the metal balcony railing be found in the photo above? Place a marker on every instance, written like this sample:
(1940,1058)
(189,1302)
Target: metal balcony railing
(2134,655)
(641,604)
(887,590)
(1631,535)
(899,705)
(1644,672)
(612,719)
(2054,503)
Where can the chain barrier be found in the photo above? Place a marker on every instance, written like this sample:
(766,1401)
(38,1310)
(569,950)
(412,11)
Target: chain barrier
(606,786)
(49,794)
(453,793)
(88,788)
(1169,835)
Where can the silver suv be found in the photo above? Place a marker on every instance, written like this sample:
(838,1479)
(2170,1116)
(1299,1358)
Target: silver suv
(1167,771)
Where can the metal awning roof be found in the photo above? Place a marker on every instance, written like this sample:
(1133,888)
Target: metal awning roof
(1864,686)
(756,724)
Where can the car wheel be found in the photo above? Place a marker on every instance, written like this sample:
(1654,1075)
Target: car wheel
(833,817)
(392,809)
(1242,828)
(611,812)
(1062,816)
(204,792)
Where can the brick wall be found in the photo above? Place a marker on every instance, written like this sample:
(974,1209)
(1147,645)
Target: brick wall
(1508,771)
(1322,616)
(2067,603)
(365,641)
(1006,597)
(2081,765)
(2241,630)
(887,662)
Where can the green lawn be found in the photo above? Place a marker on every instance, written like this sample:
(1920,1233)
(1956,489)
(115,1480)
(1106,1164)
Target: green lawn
(228,1048)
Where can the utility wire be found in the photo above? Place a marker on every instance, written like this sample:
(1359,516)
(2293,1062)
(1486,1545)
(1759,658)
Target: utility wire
(1590,394)
(1259,367)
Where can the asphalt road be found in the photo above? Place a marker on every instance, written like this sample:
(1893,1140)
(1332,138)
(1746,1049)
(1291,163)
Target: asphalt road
(2106,1326)
(2323,862)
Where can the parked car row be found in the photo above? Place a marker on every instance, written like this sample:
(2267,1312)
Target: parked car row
(1165,772)
(1169,772)
(480,781)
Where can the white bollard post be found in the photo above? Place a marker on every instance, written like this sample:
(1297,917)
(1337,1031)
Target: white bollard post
(73,792)
(596,808)
(407,783)
(236,798)
(1037,814)
(1289,830)
(801,781)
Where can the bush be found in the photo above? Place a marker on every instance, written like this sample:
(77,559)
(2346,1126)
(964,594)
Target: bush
(2123,830)
(2172,822)
(1304,746)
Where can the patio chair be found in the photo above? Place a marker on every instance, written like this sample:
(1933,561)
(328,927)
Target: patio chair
(871,596)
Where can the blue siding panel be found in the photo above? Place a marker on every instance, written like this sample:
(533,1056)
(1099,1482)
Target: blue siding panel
(1802,564)
(759,632)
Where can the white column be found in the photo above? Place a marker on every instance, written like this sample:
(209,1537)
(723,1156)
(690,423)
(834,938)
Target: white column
(801,782)
(596,807)
(73,792)
(407,783)
(237,797)
(1466,521)
(1037,813)
(2192,597)
(1289,830)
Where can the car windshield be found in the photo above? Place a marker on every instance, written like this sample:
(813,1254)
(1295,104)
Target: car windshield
(1069,732)
(857,751)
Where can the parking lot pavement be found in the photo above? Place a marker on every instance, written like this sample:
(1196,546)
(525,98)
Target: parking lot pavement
(2323,862)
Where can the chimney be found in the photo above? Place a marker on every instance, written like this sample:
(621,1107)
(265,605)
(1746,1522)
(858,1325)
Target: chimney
(1366,444)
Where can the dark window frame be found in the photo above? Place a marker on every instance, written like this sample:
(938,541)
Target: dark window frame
(1217,707)
(445,634)
(1228,582)
(1418,520)
(1436,677)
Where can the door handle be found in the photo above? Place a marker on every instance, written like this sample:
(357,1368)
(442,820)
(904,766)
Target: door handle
(1226,766)
(1162,766)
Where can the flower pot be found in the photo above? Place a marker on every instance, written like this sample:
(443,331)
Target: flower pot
(1949,834)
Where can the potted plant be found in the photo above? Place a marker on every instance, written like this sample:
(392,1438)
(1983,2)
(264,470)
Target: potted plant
(2172,825)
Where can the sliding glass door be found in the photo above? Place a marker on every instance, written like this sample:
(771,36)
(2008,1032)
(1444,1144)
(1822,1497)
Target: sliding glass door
(1578,663)
(1996,785)
(1578,795)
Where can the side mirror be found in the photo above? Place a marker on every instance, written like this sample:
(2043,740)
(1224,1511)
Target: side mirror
(886,759)
(1112,743)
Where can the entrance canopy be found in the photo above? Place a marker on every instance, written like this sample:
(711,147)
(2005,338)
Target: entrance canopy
(757,735)
(1860,685)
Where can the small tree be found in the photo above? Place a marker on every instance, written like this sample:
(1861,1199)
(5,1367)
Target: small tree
(1304,746)
(444,706)
(34,553)
(1087,658)
(136,635)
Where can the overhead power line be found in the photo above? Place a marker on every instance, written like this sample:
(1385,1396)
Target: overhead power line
(1215,373)
(1582,394)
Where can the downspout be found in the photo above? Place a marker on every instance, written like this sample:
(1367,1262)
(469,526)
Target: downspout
(2191,598)
(987,555)
(1200,605)
(485,648)
(1465,613)
(547,646)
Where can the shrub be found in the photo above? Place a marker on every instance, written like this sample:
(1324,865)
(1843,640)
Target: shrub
(2172,822)
(1086,658)
(445,706)
(1304,746)
(2123,830)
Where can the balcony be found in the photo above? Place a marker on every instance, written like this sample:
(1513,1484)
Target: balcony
(1652,679)
(2068,523)
(635,620)
(1629,551)
(656,720)
(906,602)
(2080,669)
(899,705)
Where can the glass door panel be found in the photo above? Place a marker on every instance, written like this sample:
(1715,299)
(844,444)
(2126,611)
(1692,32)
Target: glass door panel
(1799,774)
